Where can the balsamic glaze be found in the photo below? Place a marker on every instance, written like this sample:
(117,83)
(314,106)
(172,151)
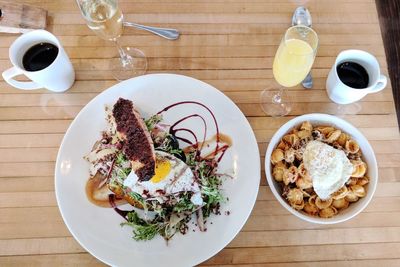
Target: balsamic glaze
(123,213)
(173,131)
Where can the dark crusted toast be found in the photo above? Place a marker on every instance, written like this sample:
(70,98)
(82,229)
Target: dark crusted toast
(137,146)
(137,143)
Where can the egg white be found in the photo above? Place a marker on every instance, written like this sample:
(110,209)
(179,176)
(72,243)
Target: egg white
(328,167)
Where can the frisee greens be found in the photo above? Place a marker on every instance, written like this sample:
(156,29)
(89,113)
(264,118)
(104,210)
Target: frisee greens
(184,204)
(120,159)
(137,197)
(210,188)
(152,121)
(142,229)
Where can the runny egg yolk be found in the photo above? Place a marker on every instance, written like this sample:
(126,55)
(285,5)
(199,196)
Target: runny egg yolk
(163,167)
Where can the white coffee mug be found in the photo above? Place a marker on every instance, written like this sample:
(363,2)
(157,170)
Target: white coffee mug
(339,92)
(57,77)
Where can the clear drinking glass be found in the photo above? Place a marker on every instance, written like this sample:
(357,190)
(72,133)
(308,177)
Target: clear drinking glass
(293,61)
(105,18)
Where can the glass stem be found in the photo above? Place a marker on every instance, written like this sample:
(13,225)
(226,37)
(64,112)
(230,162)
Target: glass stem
(277,98)
(125,58)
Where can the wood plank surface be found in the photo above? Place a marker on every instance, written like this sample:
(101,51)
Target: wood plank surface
(229,44)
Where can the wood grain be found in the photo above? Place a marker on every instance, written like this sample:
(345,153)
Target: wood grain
(229,44)
(390,24)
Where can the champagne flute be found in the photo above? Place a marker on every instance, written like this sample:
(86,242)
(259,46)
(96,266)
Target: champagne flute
(106,19)
(293,61)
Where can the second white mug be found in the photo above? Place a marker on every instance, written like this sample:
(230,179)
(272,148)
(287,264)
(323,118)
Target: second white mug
(341,93)
(57,77)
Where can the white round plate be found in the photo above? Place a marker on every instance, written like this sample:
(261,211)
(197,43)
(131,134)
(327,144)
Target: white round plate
(98,229)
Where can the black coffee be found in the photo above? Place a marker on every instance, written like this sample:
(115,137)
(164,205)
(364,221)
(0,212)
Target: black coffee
(353,75)
(39,56)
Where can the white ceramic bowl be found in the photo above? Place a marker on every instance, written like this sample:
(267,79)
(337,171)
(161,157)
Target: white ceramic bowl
(368,156)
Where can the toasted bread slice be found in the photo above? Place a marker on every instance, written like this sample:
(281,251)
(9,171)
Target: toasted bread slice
(137,143)
(137,146)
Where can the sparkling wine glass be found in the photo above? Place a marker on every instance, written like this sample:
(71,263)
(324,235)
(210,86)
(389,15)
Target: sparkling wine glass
(106,19)
(293,61)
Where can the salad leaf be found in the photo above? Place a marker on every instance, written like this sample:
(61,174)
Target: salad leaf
(137,197)
(210,188)
(152,121)
(191,159)
(142,230)
(120,159)
(184,204)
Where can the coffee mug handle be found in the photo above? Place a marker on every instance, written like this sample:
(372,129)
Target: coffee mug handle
(380,85)
(9,74)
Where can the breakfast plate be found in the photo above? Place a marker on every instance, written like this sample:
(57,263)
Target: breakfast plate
(98,229)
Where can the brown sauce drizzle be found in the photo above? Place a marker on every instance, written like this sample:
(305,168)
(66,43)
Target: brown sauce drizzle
(98,194)
(224,139)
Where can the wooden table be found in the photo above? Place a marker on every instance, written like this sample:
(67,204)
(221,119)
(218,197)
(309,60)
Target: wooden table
(229,44)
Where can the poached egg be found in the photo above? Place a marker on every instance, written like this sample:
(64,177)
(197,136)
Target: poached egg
(172,176)
(328,167)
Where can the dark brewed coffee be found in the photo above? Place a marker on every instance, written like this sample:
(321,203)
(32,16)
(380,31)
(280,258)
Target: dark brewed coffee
(39,56)
(353,75)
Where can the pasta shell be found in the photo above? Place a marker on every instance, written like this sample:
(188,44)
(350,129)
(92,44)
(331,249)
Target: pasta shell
(359,168)
(290,175)
(352,181)
(351,146)
(341,193)
(342,139)
(323,204)
(295,196)
(282,145)
(277,156)
(289,155)
(312,199)
(358,190)
(306,126)
(333,136)
(355,157)
(303,134)
(281,163)
(325,130)
(362,181)
(278,172)
(351,196)
(328,212)
(302,170)
(303,183)
(310,209)
(341,203)
(304,180)
(291,139)
(298,206)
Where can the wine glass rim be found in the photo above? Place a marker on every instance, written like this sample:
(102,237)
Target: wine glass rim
(314,49)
